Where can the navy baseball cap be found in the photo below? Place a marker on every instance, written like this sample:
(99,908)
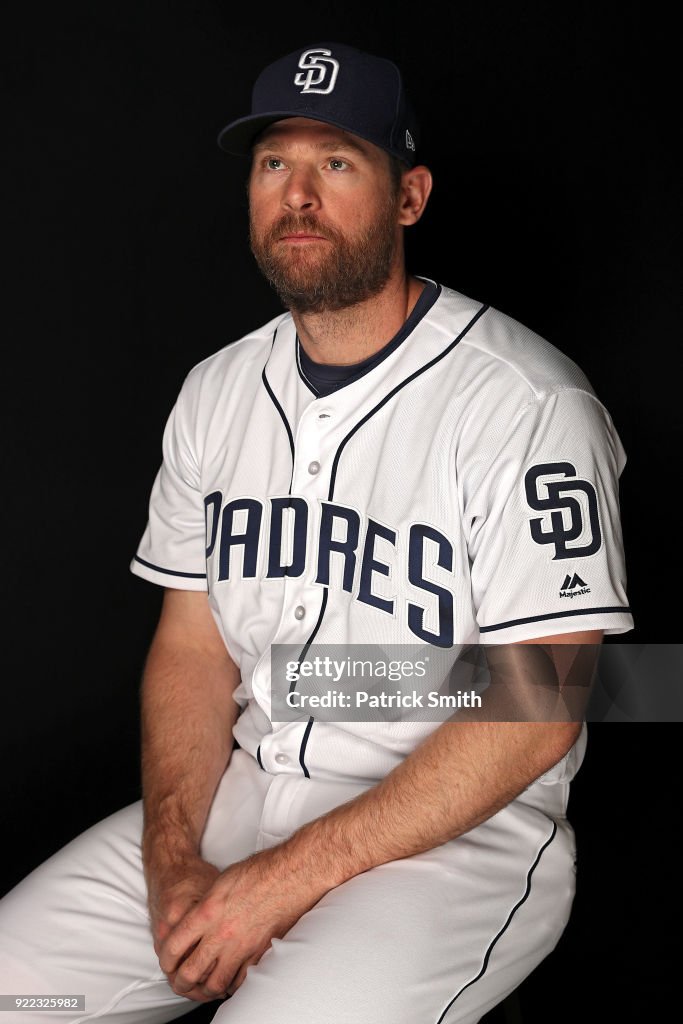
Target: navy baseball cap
(336,84)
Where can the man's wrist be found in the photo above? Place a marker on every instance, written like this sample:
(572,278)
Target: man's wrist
(165,847)
(287,866)
(313,859)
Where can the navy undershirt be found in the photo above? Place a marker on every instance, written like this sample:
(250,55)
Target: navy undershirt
(324,378)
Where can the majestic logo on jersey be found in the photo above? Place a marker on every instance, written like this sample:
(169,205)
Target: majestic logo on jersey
(410,142)
(555,497)
(574,586)
(319,71)
(247,537)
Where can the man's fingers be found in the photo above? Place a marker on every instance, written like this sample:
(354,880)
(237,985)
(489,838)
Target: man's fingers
(197,994)
(211,974)
(205,990)
(206,964)
(164,921)
(207,972)
(178,946)
(242,973)
(239,978)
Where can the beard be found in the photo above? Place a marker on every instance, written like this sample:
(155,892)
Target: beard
(321,278)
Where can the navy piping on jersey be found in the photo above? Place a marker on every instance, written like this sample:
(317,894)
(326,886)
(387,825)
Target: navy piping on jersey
(324,601)
(279,408)
(333,378)
(302,749)
(512,913)
(309,384)
(335,464)
(304,652)
(394,391)
(555,615)
(171,572)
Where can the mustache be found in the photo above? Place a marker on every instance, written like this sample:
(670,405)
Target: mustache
(291,224)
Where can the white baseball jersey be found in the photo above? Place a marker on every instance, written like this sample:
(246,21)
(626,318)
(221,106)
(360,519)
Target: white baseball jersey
(464,489)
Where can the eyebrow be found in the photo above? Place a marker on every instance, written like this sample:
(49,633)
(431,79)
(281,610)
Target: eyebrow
(327,146)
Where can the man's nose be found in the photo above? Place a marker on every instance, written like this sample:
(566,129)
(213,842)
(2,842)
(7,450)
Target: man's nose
(301,193)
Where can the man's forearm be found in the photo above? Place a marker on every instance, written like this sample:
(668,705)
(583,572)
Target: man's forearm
(461,775)
(187,717)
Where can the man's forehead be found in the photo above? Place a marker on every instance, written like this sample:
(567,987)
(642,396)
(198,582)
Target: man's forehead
(296,130)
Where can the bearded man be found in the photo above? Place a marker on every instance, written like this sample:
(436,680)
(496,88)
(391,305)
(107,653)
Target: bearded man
(388,462)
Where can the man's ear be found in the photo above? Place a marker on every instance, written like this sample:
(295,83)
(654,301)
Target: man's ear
(416,185)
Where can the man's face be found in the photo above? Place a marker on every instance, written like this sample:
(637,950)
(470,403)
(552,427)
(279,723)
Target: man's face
(323,215)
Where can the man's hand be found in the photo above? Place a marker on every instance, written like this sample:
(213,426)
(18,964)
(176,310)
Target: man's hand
(207,953)
(173,891)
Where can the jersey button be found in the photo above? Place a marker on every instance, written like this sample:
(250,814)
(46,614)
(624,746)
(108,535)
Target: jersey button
(282,759)
(299,611)
(313,468)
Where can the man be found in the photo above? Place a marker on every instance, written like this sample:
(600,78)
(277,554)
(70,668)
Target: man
(389,462)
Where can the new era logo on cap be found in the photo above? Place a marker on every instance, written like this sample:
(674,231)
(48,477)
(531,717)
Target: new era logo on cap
(339,85)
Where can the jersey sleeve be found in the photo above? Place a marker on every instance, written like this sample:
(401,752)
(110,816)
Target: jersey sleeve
(172,551)
(545,541)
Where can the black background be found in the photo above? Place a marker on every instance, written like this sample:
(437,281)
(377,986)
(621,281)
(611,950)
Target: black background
(126,235)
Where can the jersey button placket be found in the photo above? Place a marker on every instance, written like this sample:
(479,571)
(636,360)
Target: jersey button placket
(312,448)
(309,481)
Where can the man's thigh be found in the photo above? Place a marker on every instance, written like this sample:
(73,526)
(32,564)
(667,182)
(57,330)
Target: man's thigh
(434,939)
(79,923)
(438,937)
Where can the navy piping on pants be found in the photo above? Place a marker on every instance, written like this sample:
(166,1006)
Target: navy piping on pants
(516,907)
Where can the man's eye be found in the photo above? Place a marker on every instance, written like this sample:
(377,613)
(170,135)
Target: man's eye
(338,164)
(274,163)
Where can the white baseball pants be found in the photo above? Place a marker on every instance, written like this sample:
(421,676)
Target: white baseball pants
(437,938)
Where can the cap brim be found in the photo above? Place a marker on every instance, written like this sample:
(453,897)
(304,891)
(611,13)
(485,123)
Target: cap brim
(238,137)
